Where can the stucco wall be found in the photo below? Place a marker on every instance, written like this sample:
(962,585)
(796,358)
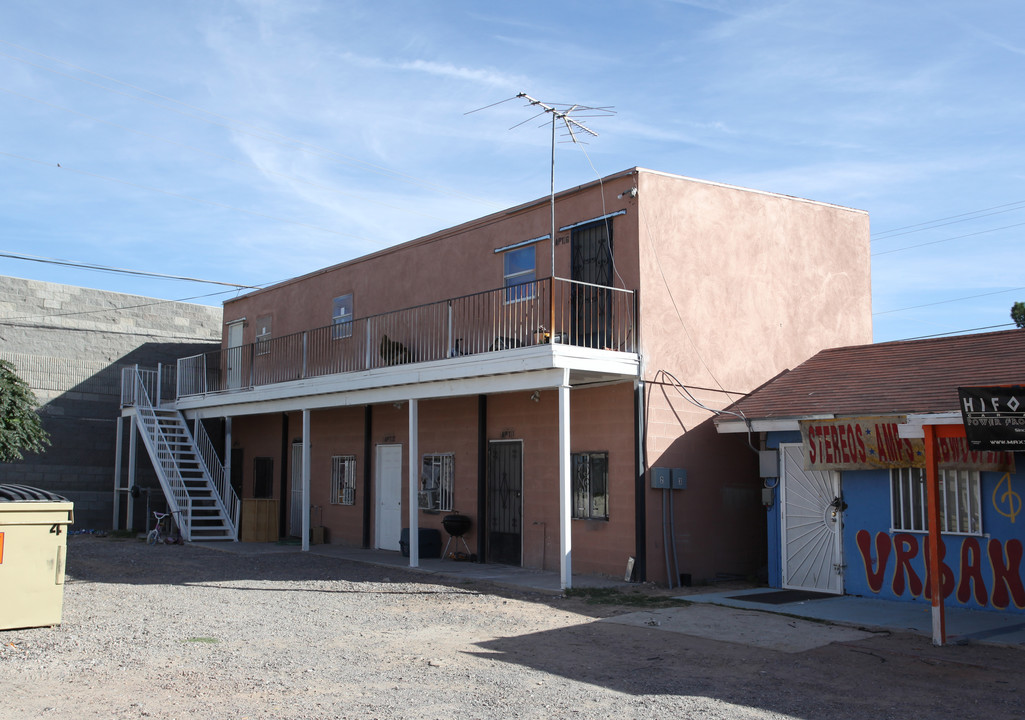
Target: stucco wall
(452,263)
(736,286)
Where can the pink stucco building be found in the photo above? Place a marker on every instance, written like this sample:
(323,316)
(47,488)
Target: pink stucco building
(462,373)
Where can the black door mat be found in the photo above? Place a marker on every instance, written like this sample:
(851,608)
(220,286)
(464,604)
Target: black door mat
(780,597)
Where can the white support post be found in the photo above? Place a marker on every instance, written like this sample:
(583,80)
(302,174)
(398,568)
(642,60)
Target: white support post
(160,372)
(306,480)
(132,443)
(565,490)
(414,485)
(117,474)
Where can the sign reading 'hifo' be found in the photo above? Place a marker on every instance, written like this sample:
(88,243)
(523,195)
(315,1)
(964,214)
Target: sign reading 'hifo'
(994,417)
(869,443)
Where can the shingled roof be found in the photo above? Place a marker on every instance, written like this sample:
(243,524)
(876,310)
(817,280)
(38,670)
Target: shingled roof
(910,376)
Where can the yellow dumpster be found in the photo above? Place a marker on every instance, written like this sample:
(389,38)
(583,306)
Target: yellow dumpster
(33,542)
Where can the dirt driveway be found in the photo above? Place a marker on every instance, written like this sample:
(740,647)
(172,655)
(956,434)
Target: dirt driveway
(187,632)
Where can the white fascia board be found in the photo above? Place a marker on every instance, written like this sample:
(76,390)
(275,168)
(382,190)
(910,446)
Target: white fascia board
(247,404)
(735,425)
(517,369)
(915,424)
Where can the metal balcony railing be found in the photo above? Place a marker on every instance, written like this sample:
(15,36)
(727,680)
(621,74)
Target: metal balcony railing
(532,313)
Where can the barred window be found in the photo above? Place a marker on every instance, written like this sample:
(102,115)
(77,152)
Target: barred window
(437,482)
(591,485)
(343,480)
(959,496)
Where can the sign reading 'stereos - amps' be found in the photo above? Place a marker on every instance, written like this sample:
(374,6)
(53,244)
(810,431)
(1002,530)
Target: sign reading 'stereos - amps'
(868,443)
(994,417)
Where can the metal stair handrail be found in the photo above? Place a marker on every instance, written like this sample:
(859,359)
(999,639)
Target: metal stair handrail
(224,492)
(168,473)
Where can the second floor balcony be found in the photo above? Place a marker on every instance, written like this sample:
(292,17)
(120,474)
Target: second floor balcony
(550,322)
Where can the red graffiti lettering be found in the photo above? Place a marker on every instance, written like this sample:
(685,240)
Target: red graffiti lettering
(905,550)
(1007,585)
(971,573)
(874,576)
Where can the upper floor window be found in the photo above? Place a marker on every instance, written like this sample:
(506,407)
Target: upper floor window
(263,335)
(959,496)
(341,317)
(519,269)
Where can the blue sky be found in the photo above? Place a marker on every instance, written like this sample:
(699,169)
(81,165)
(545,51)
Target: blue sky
(248,141)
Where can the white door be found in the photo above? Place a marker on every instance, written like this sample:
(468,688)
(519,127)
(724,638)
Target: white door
(389,497)
(295,520)
(812,523)
(233,357)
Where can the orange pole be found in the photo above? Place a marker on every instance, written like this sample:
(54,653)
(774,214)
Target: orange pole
(551,303)
(932,482)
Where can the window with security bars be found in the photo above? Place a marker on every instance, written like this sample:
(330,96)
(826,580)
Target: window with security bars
(437,482)
(959,498)
(591,485)
(343,480)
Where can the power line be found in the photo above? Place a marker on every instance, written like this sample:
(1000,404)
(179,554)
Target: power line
(957,237)
(951,220)
(121,271)
(954,332)
(944,302)
(9,320)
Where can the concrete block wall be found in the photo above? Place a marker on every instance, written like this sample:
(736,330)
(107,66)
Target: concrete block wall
(70,344)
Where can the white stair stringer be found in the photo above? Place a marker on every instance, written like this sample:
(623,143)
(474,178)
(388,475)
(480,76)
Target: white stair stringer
(191,494)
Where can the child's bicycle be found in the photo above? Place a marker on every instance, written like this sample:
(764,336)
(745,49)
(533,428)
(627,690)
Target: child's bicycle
(161,532)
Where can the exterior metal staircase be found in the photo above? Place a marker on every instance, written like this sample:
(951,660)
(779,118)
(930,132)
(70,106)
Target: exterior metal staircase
(191,476)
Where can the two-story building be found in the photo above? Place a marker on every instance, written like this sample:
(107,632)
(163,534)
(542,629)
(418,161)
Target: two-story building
(530,368)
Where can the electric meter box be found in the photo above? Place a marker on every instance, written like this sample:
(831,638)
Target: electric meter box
(33,544)
(661,478)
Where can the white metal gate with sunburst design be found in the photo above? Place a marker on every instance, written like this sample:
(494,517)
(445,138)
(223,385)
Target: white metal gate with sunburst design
(811,515)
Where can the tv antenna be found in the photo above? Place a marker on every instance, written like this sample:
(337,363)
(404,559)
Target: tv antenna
(566,115)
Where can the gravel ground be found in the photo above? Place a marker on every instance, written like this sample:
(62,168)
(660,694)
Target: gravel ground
(188,632)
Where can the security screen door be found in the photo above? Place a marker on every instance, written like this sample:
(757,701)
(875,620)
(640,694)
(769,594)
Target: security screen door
(505,502)
(812,522)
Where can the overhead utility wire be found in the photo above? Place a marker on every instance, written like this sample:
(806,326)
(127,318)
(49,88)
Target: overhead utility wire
(953,300)
(955,332)
(191,197)
(218,156)
(122,271)
(231,124)
(937,242)
(6,320)
(952,220)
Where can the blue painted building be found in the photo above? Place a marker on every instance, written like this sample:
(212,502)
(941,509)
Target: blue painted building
(845,485)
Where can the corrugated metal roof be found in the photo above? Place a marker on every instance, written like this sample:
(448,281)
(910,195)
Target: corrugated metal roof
(24,493)
(911,376)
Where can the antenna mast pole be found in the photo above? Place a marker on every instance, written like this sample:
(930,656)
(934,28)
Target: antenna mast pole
(570,125)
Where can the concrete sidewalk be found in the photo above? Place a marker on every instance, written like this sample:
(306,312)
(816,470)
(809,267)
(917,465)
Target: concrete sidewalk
(856,612)
(962,625)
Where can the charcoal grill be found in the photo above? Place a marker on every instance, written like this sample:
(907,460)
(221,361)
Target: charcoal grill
(456,526)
